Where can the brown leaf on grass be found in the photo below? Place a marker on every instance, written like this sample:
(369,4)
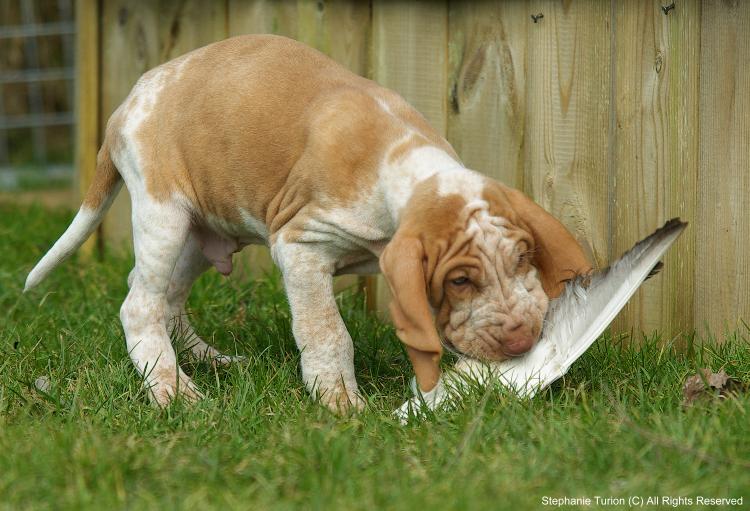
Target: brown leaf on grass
(708,384)
(692,389)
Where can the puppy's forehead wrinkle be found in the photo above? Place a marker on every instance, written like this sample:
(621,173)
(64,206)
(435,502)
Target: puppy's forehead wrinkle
(500,247)
(485,307)
(497,319)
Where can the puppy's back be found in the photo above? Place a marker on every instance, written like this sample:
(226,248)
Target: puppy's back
(255,120)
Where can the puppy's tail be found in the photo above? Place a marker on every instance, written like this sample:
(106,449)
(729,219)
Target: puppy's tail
(103,190)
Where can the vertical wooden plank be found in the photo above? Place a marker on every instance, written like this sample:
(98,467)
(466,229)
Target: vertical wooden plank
(130,42)
(655,143)
(567,116)
(87,99)
(262,17)
(338,28)
(683,75)
(409,55)
(486,86)
(190,24)
(722,269)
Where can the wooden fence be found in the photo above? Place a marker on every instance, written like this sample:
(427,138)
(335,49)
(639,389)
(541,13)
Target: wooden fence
(614,115)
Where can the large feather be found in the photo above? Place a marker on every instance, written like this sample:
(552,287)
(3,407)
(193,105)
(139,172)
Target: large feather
(573,322)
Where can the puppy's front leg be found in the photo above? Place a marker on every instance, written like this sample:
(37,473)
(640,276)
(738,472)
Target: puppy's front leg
(320,333)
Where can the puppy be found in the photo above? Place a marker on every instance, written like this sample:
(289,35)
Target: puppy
(262,140)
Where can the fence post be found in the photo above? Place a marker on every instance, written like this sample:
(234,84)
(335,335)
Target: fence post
(87,101)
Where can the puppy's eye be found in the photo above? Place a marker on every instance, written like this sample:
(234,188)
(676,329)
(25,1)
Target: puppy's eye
(460,281)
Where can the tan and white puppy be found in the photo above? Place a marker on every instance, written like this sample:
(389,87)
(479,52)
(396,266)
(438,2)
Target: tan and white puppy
(261,139)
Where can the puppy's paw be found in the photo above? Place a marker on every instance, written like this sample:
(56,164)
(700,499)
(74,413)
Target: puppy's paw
(165,385)
(341,401)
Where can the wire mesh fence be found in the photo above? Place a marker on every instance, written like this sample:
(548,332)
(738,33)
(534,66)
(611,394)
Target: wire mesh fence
(36,93)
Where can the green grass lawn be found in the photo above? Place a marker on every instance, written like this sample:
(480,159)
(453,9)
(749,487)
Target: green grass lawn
(614,427)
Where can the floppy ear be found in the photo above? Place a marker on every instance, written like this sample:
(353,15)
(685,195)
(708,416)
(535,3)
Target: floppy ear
(402,263)
(558,256)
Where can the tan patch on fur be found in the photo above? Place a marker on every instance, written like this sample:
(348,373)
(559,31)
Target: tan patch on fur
(105,179)
(413,118)
(431,215)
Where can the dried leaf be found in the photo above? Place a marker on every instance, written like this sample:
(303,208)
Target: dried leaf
(716,380)
(692,389)
(708,384)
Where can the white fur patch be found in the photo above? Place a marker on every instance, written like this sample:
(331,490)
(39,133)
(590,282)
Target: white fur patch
(398,180)
(466,183)
(79,229)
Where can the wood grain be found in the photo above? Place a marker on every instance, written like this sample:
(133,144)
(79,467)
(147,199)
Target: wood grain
(486,86)
(409,54)
(567,117)
(262,17)
(338,28)
(722,269)
(189,24)
(87,131)
(654,151)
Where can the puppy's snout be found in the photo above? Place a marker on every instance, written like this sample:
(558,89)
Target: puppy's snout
(517,339)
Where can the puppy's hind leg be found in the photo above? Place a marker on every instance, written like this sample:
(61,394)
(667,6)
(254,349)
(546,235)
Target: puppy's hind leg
(160,230)
(190,265)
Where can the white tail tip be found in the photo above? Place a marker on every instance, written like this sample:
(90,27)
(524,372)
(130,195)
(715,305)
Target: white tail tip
(77,232)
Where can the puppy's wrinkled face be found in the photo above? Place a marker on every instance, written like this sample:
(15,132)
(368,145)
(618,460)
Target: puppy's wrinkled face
(493,308)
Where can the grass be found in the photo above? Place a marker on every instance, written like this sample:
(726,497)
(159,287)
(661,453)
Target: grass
(614,427)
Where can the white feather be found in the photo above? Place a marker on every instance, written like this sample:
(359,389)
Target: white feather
(573,322)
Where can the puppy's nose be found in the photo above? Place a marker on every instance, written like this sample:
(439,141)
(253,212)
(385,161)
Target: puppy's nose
(518,339)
